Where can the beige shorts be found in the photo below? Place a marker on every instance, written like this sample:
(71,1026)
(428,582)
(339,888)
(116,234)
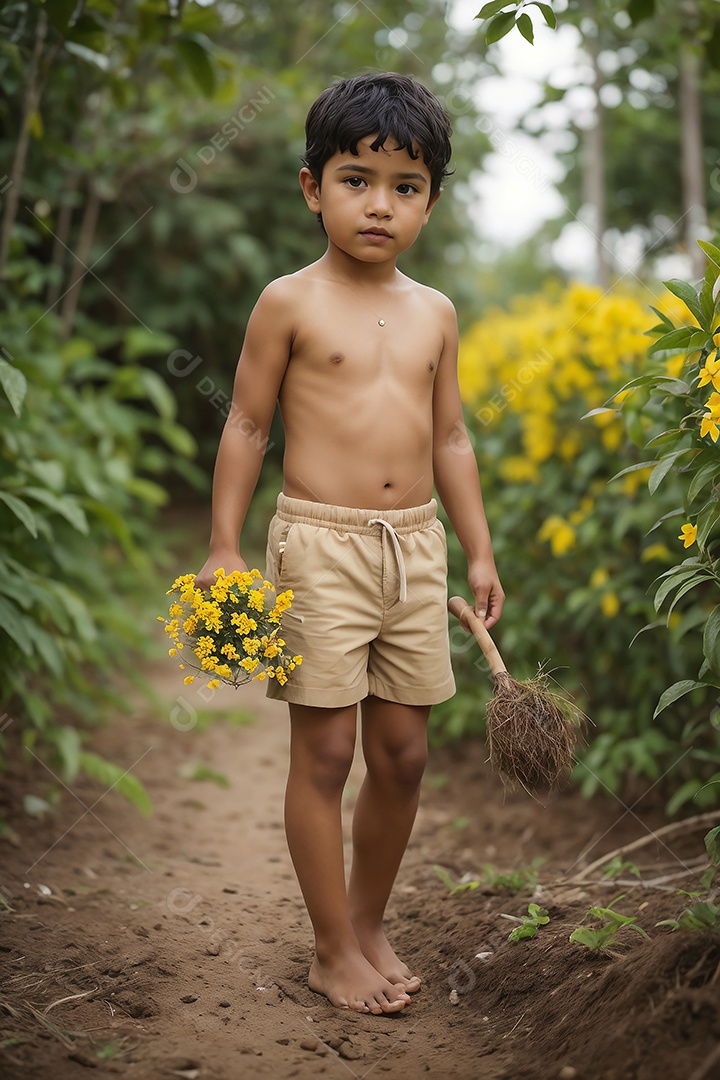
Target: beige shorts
(369,614)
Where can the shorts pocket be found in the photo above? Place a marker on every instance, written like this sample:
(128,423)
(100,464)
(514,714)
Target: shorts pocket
(282,550)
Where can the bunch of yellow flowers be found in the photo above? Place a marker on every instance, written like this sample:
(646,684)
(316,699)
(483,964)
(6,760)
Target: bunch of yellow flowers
(231,632)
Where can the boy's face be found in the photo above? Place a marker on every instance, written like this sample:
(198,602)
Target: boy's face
(373,203)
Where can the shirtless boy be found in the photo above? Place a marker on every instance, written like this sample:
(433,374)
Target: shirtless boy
(362,361)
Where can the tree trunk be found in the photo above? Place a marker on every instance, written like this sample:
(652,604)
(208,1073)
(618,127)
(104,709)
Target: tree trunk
(594,194)
(692,157)
(30,101)
(62,235)
(81,255)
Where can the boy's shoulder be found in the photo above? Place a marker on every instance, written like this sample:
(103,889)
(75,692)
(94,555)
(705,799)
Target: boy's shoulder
(432,300)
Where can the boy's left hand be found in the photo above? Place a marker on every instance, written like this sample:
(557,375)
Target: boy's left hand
(487,590)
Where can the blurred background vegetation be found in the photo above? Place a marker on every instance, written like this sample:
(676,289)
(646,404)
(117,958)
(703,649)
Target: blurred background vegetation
(148,162)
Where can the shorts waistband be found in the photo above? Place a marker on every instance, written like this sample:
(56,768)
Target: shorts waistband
(355,519)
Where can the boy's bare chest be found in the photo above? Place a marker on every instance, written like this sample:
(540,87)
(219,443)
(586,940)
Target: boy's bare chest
(365,345)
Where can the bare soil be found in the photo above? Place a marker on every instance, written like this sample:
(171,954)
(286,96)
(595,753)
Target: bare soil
(178,945)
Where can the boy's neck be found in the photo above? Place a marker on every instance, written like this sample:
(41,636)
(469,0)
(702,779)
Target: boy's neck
(344,266)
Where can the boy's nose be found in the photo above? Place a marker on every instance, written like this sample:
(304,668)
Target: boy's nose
(378,205)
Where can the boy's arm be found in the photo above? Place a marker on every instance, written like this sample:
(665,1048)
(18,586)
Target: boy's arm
(457,480)
(260,370)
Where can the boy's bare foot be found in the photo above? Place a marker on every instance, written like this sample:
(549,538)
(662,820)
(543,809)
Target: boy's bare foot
(377,949)
(351,982)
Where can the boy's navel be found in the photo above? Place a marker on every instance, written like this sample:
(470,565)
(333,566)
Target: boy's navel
(337,358)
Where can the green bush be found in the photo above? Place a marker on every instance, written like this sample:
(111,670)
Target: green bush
(85,443)
(576,552)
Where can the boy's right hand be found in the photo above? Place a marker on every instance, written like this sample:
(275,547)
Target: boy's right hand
(228,560)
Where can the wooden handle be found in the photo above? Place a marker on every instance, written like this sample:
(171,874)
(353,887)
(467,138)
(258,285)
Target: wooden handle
(465,614)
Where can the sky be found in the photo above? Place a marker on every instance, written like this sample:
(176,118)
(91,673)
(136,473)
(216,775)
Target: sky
(516,191)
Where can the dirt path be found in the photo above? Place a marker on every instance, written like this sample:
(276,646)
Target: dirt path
(178,945)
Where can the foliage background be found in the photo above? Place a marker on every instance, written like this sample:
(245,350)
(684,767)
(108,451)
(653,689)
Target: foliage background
(148,162)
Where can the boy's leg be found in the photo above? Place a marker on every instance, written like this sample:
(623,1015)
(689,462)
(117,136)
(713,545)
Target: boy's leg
(395,749)
(321,750)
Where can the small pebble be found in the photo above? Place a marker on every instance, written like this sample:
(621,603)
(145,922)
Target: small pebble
(568,1072)
(188,999)
(308,1043)
(454,997)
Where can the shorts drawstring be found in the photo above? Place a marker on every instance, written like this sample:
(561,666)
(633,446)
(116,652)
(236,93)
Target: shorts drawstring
(390,531)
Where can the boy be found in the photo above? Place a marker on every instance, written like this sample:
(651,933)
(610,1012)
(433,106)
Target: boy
(362,361)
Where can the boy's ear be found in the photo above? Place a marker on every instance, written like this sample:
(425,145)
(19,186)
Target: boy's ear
(310,189)
(429,207)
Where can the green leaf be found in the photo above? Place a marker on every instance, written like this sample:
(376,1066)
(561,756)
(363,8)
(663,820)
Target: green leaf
(527,930)
(664,319)
(15,625)
(196,50)
(685,793)
(116,778)
(675,692)
(711,251)
(712,845)
(640,9)
(699,579)
(525,26)
(663,468)
(685,292)
(499,27)
(65,505)
(632,468)
(548,13)
(711,642)
(67,742)
(14,384)
(491,9)
(676,339)
(21,511)
(707,518)
(706,474)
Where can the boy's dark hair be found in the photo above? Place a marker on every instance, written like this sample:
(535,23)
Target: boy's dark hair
(395,106)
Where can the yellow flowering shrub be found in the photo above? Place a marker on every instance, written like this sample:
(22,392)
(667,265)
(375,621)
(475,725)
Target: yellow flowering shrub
(576,549)
(230,632)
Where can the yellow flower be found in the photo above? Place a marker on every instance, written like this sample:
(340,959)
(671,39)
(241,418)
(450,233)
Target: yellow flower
(599,577)
(688,534)
(560,534)
(172,652)
(161,618)
(708,426)
(610,604)
(655,551)
(213,684)
(189,679)
(710,372)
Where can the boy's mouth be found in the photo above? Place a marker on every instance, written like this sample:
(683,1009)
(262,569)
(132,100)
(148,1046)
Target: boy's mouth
(376,235)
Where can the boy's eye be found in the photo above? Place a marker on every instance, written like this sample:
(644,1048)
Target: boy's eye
(354,181)
(406,189)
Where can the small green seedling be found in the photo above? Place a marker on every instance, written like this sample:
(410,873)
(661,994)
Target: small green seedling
(514,881)
(705,914)
(618,866)
(529,924)
(198,771)
(454,886)
(611,923)
(701,916)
